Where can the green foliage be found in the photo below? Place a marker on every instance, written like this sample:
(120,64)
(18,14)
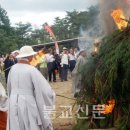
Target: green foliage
(4,20)
(12,38)
(114,72)
(60,28)
(107,76)
(5,33)
(71,25)
(89,74)
(23,34)
(7,42)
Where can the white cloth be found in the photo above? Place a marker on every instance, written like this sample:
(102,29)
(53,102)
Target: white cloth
(3,99)
(50,57)
(71,57)
(76,54)
(2,60)
(28,93)
(64,59)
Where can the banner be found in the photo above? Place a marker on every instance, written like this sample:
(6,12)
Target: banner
(49,30)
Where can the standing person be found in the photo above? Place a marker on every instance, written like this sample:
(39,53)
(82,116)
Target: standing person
(72,60)
(8,63)
(64,64)
(58,61)
(14,54)
(76,74)
(43,66)
(76,53)
(51,65)
(29,92)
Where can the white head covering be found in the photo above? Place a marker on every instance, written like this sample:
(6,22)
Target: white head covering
(16,51)
(26,51)
(81,51)
(64,48)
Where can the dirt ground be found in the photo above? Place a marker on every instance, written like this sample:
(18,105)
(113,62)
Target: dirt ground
(64,118)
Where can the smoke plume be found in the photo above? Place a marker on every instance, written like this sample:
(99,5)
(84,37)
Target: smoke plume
(104,24)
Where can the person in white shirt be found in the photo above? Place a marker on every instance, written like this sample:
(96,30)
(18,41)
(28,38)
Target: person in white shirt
(72,60)
(43,65)
(76,53)
(64,64)
(51,65)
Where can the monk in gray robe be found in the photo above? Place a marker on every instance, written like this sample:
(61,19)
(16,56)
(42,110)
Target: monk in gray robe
(29,93)
(76,73)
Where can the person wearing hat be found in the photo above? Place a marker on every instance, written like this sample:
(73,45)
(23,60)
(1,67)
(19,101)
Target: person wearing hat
(64,64)
(76,73)
(64,48)
(72,60)
(15,53)
(29,94)
(8,63)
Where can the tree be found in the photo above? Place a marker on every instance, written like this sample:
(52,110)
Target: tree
(4,20)
(74,22)
(77,20)
(12,38)
(7,41)
(60,28)
(23,34)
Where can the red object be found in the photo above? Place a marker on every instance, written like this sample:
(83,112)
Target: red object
(3,120)
(49,30)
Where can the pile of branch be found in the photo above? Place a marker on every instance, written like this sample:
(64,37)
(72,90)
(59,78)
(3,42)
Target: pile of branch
(107,76)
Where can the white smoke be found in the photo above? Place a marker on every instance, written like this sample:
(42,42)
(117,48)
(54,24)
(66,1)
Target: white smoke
(104,23)
(88,37)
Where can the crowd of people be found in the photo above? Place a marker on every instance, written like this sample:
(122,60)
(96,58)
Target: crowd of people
(61,63)
(51,64)
(29,91)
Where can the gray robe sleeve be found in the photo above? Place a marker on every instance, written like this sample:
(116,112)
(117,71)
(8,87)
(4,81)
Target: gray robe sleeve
(79,63)
(3,99)
(9,84)
(44,95)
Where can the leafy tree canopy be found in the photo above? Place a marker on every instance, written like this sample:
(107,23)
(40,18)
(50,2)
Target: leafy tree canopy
(12,38)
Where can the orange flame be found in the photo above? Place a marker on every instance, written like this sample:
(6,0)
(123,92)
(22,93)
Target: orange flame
(118,17)
(37,58)
(108,107)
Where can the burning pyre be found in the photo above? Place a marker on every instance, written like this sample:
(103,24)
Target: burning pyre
(114,11)
(108,72)
(119,19)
